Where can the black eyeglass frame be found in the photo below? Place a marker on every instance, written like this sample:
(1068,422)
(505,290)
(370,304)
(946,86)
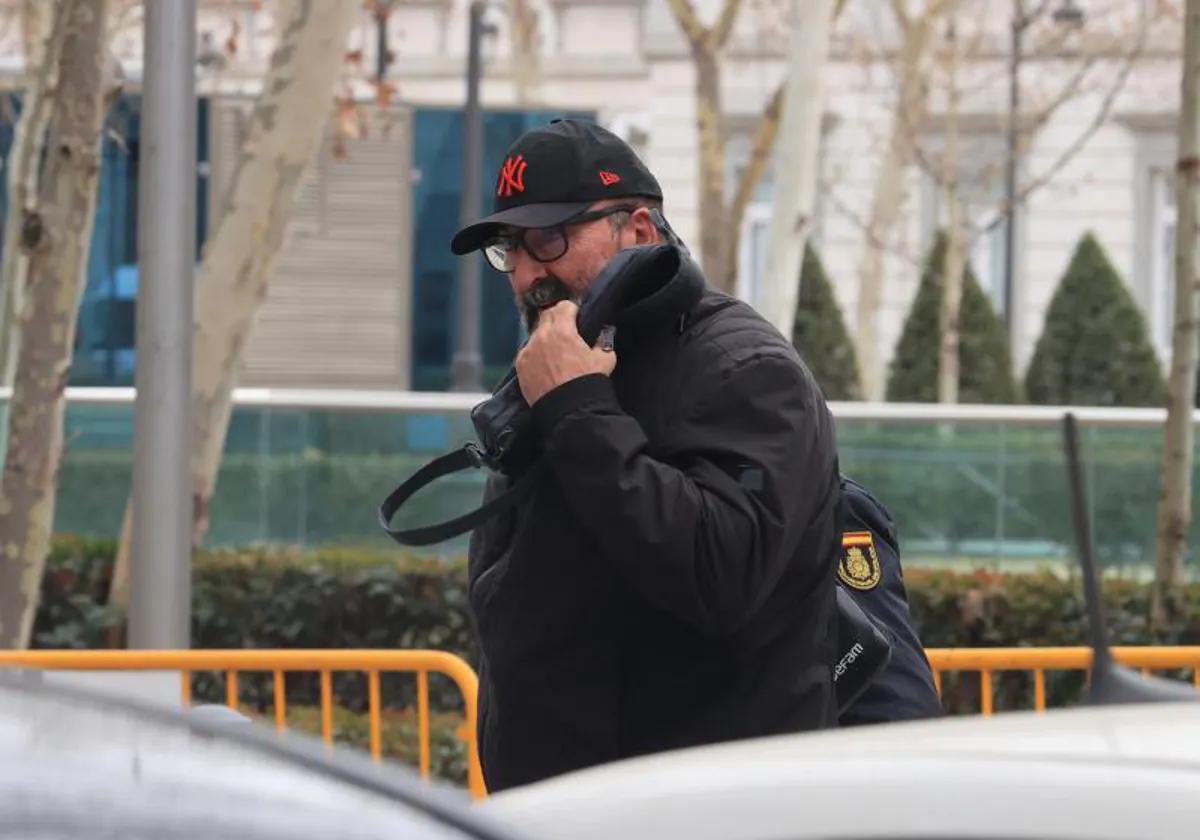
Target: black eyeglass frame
(516,238)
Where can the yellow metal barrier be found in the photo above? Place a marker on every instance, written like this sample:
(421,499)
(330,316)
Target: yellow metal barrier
(1039,660)
(280,662)
(985,661)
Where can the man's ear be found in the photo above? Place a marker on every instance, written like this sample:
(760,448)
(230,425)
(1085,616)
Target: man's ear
(644,229)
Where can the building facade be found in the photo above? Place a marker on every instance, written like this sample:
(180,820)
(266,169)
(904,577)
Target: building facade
(365,294)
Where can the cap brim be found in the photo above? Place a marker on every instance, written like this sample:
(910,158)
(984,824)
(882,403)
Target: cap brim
(472,237)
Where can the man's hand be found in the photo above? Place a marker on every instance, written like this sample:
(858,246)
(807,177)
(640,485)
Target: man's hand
(556,354)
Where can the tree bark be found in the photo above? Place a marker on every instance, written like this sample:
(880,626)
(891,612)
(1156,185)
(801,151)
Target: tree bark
(710,170)
(1175,489)
(526,63)
(795,191)
(761,148)
(43,33)
(889,194)
(282,134)
(760,155)
(706,45)
(56,236)
(952,267)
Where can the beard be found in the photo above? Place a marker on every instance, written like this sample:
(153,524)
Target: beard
(543,294)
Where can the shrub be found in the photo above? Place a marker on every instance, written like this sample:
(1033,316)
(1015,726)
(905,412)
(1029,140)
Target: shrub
(399,736)
(819,333)
(985,362)
(1094,348)
(345,600)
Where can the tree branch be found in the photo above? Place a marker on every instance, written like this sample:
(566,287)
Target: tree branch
(760,152)
(689,22)
(721,31)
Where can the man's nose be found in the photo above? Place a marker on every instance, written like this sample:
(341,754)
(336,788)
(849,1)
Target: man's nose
(526,271)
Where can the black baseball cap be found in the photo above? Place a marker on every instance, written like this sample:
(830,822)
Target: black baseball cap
(555,172)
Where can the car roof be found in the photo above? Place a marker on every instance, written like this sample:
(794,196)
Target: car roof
(1165,734)
(62,750)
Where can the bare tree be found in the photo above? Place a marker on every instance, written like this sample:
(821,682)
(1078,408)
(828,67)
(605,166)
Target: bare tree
(795,190)
(952,268)
(281,136)
(56,236)
(43,43)
(706,44)
(1097,72)
(523,39)
(887,199)
(1175,489)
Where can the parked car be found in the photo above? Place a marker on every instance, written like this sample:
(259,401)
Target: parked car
(82,765)
(1100,773)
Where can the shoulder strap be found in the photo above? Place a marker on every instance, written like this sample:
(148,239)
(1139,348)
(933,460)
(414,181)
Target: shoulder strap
(468,457)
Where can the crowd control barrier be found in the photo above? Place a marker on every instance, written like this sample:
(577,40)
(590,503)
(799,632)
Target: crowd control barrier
(987,662)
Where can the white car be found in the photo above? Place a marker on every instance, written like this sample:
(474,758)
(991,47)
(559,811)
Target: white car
(1098,773)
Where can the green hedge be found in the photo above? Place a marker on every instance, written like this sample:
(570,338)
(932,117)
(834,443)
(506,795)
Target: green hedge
(399,736)
(346,599)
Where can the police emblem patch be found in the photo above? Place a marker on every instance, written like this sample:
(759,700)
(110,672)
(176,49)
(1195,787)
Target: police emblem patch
(859,566)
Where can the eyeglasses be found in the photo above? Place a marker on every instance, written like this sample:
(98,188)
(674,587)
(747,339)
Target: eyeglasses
(545,244)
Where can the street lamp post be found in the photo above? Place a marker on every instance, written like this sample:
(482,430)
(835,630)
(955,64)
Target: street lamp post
(1066,16)
(466,368)
(160,601)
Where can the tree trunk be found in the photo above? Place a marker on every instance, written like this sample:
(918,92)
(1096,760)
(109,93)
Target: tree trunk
(1175,490)
(282,134)
(526,64)
(887,200)
(710,163)
(706,44)
(756,164)
(43,34)
(57,236)
(796,177)
(952,267)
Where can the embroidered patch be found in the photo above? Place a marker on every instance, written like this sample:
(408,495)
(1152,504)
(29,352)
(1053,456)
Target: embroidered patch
(859,567)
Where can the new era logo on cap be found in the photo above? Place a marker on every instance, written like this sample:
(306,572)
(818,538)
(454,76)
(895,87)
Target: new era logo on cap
(609,178)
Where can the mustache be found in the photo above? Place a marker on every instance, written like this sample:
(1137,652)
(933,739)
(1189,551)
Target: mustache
(543,294)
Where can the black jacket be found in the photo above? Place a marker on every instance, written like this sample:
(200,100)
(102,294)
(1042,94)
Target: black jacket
(870,571)
(671,582)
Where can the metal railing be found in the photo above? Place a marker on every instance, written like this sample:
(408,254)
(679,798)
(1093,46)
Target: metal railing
(1038,660)
(987,662)
(449,402)
(279,663)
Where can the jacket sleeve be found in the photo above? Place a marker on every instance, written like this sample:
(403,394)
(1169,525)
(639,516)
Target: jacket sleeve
(705,532)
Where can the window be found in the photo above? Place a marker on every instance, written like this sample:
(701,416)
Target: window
(438,157)
(1162,256)
(981,197)
(752,251)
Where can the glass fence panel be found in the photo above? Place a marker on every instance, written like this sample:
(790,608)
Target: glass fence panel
(962,494)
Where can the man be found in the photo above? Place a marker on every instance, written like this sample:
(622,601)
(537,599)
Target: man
(671,581)
(871,572)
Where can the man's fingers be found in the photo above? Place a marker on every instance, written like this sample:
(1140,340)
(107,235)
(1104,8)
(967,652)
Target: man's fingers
(564,310)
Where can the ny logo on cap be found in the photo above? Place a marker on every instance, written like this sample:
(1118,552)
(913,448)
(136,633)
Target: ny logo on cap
(512,177)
